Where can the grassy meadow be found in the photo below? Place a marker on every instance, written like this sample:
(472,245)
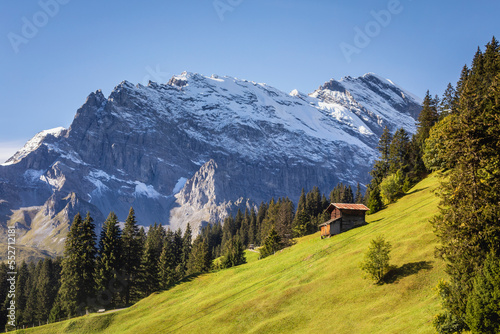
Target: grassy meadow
(315,286)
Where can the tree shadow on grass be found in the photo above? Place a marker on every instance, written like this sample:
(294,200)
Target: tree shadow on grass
(408,269)
(416,191)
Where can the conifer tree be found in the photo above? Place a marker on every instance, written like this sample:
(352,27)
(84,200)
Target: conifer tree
(468,225)
(187,240)
(199,258)
(168,262)
(234,254)
(150,259)
(448,102)
(22,291)
(4,288)
(132,250)
(374,200)
(78,267)
(47,286)
(109,264)
(29,311)
(272,244)
(358,197)
(399,152)
(426,119)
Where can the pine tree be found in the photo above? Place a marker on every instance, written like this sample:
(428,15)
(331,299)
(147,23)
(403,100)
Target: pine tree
(109,264)
(399,152)
(426,119)
(29,311)
(375,200)
(47,286)
(468,225)
(448,102)
(483,305)
(22,291)
(150,259)
(199,258)
(132,250)
(4,288)
(168,262)
(78,267)
(358,197)
(186,246)
(234,254)
(272,244)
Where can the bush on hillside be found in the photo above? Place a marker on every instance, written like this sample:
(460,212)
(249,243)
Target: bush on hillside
(376,261)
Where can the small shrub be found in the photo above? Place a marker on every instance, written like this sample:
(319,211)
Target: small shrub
(376,261)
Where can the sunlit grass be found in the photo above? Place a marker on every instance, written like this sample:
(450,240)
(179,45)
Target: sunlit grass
(315,286)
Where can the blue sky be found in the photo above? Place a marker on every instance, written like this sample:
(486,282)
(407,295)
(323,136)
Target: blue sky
(55,52)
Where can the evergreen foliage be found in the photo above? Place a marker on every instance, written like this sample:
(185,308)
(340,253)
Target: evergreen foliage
(376,259)
(468,225)
(234,254)
(78,267)
(199,258)
(132,249)
(109,263)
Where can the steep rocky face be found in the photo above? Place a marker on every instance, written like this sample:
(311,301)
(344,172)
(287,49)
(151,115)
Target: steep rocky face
(194,148)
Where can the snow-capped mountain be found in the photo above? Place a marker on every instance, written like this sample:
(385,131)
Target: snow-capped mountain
(194,148)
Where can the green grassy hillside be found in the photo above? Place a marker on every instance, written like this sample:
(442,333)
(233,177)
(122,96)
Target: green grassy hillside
(315,286)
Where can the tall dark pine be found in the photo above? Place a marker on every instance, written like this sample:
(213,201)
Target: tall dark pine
(151,258)
(168,262)
(448,102)
(47,285)
(358,197)
(78,267)
(426,119)
(132,250)
(399,151)
(199,257)
(186,246)
(109,264)
(469,222)
(381,168)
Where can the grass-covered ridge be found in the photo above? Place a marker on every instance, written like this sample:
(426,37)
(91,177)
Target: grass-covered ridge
(315,286)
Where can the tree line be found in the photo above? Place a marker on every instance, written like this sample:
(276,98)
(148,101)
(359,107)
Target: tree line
(276,223)
(459,136)
(465,143)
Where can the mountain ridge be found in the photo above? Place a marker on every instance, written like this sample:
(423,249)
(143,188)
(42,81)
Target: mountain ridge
(144,146)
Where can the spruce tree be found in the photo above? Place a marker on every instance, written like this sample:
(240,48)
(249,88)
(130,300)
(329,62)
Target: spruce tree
(109,264)
(150,259)
(272,244)
(78,267)
(448,102)
(168,262)
(358,197)
(132,250)
(374,200)
(199,258)
(234,254)
(468,225)
(186,245)
(47,285)
(426,119)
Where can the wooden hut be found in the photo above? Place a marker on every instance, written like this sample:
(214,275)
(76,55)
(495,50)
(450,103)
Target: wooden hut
(343,217)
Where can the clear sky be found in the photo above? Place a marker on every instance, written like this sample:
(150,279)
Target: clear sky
(55,52)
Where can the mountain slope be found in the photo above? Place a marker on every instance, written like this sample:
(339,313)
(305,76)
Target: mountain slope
(191,150)
(314,286)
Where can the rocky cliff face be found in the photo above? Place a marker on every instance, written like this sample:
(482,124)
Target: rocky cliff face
(192,149)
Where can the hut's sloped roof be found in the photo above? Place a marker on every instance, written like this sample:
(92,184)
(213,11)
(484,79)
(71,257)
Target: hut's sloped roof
(348,206)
